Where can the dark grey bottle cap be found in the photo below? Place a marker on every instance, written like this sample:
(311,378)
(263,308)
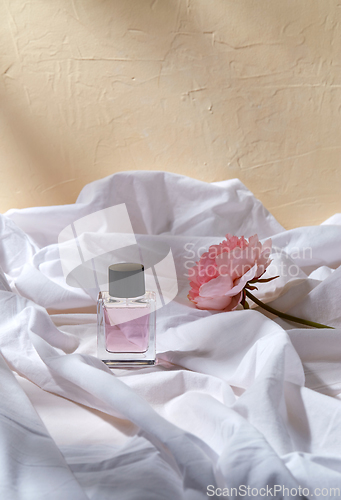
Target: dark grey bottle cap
(126,280)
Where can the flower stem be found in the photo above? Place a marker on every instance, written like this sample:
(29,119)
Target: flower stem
(284,315)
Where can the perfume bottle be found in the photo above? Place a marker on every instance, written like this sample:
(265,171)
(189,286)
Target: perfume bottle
(126,319)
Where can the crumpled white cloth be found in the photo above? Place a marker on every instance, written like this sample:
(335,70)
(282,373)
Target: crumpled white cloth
(237,399)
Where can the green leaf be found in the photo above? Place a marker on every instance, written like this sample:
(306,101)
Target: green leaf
(249,287)
(263,280)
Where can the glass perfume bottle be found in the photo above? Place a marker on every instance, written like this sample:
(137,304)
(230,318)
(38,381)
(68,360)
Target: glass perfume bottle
(126,319)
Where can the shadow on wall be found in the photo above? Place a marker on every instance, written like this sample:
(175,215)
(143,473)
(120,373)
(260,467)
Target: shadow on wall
(51,159)
(213,90)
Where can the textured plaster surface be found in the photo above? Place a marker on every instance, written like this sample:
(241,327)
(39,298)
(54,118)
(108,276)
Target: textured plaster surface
(211,89)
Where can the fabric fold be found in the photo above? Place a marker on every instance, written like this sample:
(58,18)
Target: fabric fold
(237,398)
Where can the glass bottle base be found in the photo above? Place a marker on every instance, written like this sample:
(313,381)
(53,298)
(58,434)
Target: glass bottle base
(128,359)
(126,331)
(129,363)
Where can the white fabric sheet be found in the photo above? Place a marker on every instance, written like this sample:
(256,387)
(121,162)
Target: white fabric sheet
(237,399)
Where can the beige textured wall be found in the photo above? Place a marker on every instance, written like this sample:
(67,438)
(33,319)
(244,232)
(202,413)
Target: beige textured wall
(213,89)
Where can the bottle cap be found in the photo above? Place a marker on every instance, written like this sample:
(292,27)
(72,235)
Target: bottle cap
(126,280)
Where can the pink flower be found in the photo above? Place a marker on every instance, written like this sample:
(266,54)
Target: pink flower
(219,277)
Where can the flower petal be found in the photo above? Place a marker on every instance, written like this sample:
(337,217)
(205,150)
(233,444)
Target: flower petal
(216,287)
(234,302)
(235,263)
(241,282)
(214,303)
